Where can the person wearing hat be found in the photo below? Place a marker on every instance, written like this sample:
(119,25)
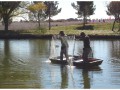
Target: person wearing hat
(86,48)
(64,46)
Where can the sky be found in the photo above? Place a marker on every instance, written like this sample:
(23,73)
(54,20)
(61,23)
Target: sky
(69,12)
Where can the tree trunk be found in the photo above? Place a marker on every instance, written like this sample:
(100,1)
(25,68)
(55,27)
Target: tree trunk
(49,16)
(84,21)
(119,27)
(5,19)
(119,23)
(39,25)
(113,25)
(49,23)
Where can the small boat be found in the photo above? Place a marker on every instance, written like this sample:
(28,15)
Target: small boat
(56,60)
(91,62)
(77,61)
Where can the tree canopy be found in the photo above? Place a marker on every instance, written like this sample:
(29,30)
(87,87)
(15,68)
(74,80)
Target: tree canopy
(113,8)
(7,9)
(38,10)
(52,10)
(84,9)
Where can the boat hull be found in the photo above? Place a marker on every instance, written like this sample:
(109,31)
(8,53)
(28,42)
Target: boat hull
(55,61)
(78,62)
(95,62)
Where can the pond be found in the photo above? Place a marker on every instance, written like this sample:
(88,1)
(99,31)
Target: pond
(26,64)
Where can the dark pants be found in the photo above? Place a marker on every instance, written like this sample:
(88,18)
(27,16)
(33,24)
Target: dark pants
(64,51)
(86,52)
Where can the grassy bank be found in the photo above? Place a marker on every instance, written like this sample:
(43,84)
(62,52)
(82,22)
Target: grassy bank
(92,29)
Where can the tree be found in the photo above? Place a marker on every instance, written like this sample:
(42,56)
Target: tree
(84,9)
(7,9)
(113,8)
(23,9)
(52,10)
(38,10)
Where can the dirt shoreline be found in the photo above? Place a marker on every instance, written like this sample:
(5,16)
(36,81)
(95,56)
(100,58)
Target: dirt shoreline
(32,36)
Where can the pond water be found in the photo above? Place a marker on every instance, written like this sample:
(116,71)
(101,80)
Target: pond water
(25,64)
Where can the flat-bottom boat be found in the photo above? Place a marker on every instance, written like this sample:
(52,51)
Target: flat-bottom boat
(77,61)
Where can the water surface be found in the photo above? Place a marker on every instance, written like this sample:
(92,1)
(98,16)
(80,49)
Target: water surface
(25,64)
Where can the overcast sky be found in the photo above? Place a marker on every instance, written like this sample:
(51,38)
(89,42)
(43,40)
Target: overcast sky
(69,12)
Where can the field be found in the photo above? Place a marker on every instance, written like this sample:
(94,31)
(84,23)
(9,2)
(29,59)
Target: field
(71,27)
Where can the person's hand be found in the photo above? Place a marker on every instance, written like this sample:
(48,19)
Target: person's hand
(55,36)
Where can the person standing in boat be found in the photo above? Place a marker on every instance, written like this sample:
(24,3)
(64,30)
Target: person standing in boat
(64,45)
(86,49)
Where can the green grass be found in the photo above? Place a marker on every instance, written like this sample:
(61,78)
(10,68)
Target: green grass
(97,29)
(98,26)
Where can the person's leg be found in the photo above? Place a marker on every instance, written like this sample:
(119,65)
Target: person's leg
(85,55)
(61,54)
(66,54)
(90,53)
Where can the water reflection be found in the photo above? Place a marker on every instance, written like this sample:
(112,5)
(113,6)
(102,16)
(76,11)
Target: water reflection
(22,65)
(64,77)
(41,47)
(13,73)
(87,79)
(115,48)
(6,54)
(5,63)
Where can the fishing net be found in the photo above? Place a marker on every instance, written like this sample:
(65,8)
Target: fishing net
(52,49)
(56,46)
